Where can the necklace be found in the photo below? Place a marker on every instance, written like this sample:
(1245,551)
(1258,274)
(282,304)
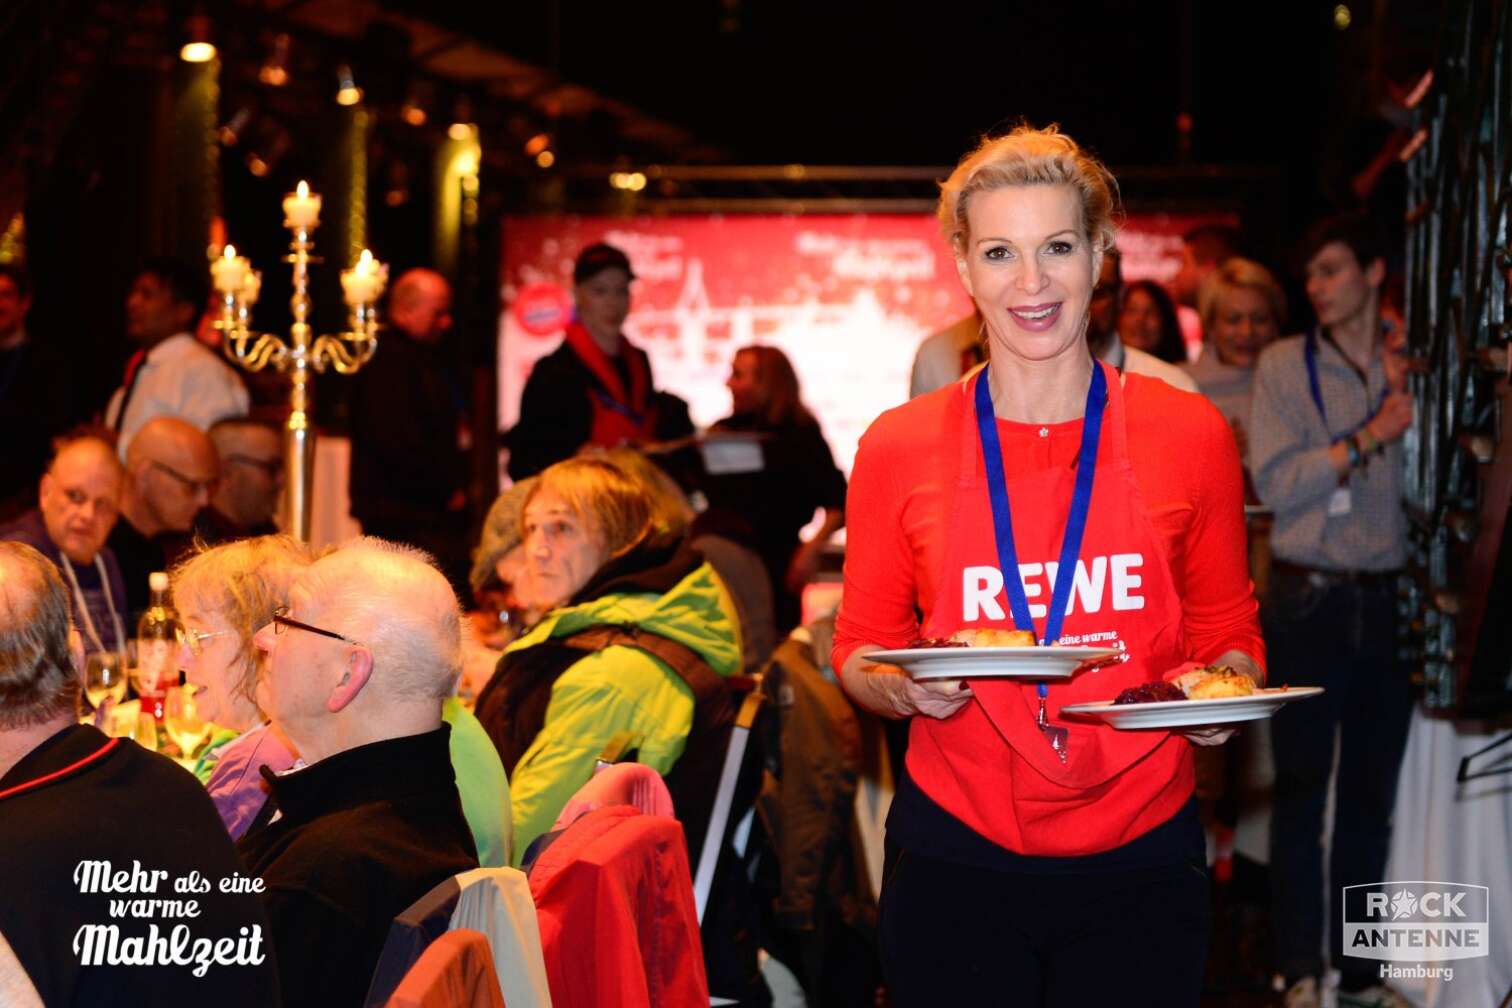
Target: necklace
(83,606)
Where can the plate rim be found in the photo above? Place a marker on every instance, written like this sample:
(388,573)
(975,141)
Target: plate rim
(1264,695)
(995,651)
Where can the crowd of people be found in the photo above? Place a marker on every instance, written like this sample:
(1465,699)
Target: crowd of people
(372,740)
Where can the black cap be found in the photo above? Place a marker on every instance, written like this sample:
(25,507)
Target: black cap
(594,259)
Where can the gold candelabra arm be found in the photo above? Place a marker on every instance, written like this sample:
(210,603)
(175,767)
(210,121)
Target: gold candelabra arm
(251,350)
(348,351)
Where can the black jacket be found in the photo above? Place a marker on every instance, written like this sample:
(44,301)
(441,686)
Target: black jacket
(360,836)
(122,804)
(406,406)
(556,414)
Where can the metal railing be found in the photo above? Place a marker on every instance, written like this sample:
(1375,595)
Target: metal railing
(1459,452)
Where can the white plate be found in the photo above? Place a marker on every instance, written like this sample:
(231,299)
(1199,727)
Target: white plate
(1184,713)
(992,662)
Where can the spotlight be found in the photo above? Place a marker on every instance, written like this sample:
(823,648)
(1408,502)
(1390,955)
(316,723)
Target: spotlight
(462,126)
(419,98)
(197,46)
(275,69)
(231,132)
(347,92)
(272,143)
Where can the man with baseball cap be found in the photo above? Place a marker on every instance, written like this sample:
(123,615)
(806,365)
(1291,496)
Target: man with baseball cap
(595,389)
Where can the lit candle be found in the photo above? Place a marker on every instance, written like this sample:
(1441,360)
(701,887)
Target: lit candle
(229,271)
(365,281)
(301,208)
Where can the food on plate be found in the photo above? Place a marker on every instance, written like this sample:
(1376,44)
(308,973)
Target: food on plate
(1210,683)
(1150,692)
(1215,682)
(934,642)
(993,637)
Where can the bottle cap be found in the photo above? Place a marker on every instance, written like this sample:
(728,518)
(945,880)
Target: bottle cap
(157,581)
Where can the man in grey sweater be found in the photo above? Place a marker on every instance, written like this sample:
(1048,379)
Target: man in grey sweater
(1328,415)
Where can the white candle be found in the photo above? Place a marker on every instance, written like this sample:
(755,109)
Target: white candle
(301,208)
(364,282)
(229,271)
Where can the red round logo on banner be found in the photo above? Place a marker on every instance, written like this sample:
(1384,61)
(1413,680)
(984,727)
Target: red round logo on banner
(542,309)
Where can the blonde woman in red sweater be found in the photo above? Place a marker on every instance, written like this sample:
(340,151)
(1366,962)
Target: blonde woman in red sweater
(1035,858)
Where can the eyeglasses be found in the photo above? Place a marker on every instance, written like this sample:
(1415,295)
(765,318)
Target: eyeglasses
(194,485)
(272,467)
(194,640)
(281,620)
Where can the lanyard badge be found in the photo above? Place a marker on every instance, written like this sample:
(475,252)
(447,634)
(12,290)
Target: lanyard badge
(1076,524)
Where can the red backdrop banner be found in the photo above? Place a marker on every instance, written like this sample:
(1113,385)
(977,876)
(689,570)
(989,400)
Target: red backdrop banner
(847,298)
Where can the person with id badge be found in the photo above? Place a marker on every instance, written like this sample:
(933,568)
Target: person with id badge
(1034,858)
(1326,424)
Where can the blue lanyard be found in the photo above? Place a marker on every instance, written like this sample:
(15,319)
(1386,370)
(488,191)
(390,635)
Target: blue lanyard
(610,403)
(1310,356)
(1076,521)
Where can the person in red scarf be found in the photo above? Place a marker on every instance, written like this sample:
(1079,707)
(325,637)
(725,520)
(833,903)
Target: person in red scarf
(1034,858)
(594,389)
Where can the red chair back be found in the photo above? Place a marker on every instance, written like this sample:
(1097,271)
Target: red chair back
(614,899)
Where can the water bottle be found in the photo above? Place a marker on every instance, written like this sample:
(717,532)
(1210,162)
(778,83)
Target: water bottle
(157,648)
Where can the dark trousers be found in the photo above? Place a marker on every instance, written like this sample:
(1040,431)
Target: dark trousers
(955,934)
(1340,636)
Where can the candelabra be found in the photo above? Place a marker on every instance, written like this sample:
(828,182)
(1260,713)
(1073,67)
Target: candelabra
(238,286)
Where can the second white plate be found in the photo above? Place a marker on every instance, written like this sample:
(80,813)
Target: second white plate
(992,662)
(1186,713)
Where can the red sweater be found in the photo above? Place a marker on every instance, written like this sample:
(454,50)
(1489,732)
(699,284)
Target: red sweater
(899,498)
(1185,466)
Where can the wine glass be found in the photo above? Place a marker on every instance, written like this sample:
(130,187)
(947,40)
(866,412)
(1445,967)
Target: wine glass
(144,730)
(182,721)
(104,676)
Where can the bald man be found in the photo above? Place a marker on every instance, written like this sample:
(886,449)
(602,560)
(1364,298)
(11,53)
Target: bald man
(407,412)
(79,501)
(252,476)
(357,669)
(171,469)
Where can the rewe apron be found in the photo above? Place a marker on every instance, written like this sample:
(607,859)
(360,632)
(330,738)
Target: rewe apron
(990,765)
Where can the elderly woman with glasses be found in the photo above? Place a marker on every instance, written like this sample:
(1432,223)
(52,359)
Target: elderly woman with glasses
(224,595)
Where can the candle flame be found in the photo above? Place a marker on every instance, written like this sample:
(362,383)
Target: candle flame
(366,257)
(303,189)
(230,252)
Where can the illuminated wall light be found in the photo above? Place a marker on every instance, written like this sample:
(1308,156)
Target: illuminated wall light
(635,181)
(274,71)
(462,131)
(618,180)
(1341,17)
(537,143)
(413,114)
(347,91)
(256,165)
(545,159)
